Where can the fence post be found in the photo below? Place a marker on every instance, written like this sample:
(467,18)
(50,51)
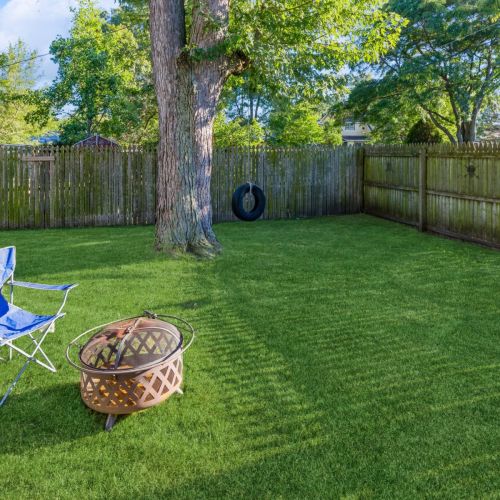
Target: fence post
(422,190)
(360,167)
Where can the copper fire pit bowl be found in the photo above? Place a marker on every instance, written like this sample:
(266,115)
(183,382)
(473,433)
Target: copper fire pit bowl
(131,364)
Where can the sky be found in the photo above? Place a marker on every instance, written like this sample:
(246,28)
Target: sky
(38,22)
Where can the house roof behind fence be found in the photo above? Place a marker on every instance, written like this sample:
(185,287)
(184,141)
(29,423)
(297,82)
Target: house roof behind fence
(97,140)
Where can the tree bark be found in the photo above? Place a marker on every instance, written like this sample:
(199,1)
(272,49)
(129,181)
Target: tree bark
(188,90)
(468,130)
(209,80)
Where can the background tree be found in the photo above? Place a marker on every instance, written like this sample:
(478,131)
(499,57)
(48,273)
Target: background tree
(237,132)
(17,80)
(198,44)
(332,133)
(301,124)
(489,122)
(134,14)
(373,101)
(284,118)
(245,97)
(296,125)
(445,65)
(96,86)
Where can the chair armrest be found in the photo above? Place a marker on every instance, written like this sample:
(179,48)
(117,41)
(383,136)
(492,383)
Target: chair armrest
(38,286)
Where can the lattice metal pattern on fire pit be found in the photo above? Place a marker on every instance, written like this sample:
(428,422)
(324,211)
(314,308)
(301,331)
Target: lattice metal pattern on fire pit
(131,364)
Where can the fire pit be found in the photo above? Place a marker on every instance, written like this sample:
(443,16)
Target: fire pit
(131,364)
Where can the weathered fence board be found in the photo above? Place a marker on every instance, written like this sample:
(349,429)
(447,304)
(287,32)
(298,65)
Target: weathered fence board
(298,182)
(450,190)
(74,187)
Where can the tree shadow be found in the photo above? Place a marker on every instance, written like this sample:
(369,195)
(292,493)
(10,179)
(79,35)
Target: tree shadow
(62,251)
(344,376)
(45,417)
(286,474)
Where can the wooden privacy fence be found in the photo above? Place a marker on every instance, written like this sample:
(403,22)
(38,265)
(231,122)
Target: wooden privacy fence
(451,190)
(68,187)
(297,182)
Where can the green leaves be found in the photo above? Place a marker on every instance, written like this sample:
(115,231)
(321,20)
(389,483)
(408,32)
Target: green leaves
(230,133)
(300,125)
(299,44)
(424,132)
(299,51)
(97,80)
(445,66)
(16,97)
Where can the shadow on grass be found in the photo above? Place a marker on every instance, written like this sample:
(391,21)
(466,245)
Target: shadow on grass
(62,251)
(335,364)
(284,475)
(329,369)
(45,417)
(290,475)
(339,419)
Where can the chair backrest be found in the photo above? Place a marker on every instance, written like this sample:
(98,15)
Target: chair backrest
(7,263)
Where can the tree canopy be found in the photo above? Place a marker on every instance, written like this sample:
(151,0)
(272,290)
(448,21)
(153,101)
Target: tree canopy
(298,53)
(98,88)
(293,52)
(18,73)
(445,65)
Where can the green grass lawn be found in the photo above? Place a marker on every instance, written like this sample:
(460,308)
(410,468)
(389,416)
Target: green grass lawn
(337,357)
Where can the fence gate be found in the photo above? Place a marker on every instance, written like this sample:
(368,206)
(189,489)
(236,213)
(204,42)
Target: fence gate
(39,169)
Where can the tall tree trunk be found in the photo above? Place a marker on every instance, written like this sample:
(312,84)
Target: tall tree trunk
(209,79)
(468,130)
(188,90)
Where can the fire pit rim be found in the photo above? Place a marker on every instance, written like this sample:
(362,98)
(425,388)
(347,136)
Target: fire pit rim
(170,357)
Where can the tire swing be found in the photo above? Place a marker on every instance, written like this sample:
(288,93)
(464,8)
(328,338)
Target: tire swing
(239,197)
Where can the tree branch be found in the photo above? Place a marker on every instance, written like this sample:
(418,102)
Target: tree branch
(442,117)
(210,23)
(439,125)
(490,72)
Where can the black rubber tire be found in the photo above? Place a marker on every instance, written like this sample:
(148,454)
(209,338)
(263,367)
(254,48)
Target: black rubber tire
(258,208)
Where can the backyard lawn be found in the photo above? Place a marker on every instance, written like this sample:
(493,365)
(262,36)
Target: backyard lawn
(336,357)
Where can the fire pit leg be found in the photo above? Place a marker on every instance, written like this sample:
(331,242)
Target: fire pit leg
(179,391)
(110,421)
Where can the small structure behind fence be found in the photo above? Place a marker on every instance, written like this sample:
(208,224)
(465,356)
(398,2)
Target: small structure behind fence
(452,190)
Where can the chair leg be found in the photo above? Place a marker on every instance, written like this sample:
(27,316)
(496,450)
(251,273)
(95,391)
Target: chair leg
(30,358)
(38,345)
(13,384)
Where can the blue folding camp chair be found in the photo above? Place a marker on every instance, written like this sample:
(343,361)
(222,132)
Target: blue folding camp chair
(16,322)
